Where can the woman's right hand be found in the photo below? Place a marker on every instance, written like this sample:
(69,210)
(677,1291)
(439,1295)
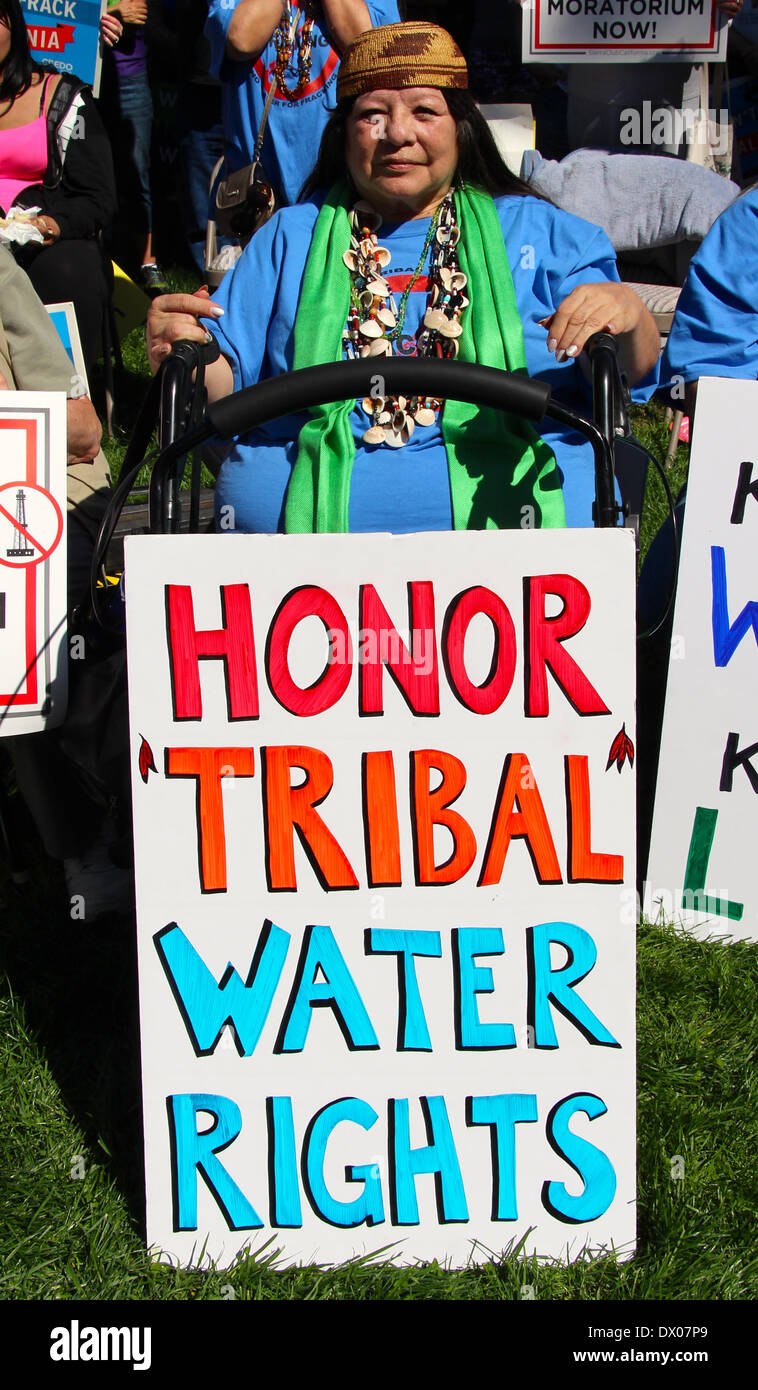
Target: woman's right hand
(174,316)
(111,29)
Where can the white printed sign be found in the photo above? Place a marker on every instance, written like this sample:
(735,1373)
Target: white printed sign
(701,871)
(32,560)
(384,826)
(623,31)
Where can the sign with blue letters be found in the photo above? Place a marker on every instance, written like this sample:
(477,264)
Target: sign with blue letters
(701,871)
(384,818)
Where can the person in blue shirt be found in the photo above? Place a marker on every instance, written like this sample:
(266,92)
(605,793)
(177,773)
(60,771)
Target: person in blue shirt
(257,42)
(714,333)
(715,328)
(414,255)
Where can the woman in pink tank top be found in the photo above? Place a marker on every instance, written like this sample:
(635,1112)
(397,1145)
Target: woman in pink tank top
(55,156)
(23,153)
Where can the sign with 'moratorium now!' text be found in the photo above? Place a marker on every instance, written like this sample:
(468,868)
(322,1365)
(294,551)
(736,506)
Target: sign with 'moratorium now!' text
(623,31)
(384,845)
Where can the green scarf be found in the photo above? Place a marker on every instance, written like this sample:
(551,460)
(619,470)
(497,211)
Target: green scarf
(498,465)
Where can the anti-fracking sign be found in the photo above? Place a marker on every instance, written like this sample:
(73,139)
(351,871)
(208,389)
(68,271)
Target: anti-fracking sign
(66,34)
(701,870)
(32,560)
(384,824)
(581,31)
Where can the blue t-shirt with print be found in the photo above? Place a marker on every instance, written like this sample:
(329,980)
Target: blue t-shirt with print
(550,252)
(294,128)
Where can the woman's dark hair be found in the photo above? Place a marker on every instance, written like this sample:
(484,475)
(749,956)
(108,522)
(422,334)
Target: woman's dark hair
(479,160)
(19,67)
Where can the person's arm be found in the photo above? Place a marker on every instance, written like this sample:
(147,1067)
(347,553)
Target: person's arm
(715,328)
(39,360)
(345,19)
(251,27)
(254,21)
(612,308)
(129,11)
(83,431)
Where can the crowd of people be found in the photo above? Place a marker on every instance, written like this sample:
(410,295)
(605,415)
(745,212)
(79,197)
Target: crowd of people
(398,229)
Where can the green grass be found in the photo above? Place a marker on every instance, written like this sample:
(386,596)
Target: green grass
(71,1187)
(132,383)
(70,1179)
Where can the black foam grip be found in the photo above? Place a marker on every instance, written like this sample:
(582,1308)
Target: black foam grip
(410,376)
(191,352)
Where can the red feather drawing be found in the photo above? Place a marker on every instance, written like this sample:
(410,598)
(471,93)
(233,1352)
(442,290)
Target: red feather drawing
(621,749)
(146,759)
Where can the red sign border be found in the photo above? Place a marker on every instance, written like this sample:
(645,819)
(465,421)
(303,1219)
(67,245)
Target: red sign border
(30,695)
(541,47)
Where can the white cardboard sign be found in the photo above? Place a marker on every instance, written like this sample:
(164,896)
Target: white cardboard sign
(622,31)
(701,870)
(33,681)
(385,876)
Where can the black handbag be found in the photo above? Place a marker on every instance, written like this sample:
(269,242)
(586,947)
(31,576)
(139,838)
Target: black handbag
(245,199)
(244,202)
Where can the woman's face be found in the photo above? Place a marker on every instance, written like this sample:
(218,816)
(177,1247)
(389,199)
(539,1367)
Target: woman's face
(402,150)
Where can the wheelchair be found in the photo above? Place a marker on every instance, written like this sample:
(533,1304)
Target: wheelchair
(175,408)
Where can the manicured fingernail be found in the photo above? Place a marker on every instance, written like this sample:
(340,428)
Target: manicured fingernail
(552,344)
(215,310)
(560,356)
(572,351)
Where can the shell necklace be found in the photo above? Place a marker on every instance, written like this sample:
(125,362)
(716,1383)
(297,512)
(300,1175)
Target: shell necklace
(284,40)
(374,322)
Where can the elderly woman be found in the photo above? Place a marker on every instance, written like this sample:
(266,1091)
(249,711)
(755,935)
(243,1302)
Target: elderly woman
(423,244)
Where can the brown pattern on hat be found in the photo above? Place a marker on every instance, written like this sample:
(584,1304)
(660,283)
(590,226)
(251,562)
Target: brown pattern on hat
(406,45)
(393,56)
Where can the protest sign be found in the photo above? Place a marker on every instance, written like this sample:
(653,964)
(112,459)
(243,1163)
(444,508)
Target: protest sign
(32,560)
(384,851)
(743,103)
(66,34)
(63,318)
(701,871)
(622,31)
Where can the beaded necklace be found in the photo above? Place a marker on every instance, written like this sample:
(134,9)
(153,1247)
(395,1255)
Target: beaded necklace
(374,322)
(285,37)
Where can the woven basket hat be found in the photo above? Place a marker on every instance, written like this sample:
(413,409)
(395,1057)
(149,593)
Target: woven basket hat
(401,55)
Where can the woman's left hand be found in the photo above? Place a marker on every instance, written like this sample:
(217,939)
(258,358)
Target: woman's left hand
(605,307)
(48,227)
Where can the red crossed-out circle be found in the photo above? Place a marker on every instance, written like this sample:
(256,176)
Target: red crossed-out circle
(266,76)
(54,516)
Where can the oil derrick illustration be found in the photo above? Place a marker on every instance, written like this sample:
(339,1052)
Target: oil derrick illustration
(19,549)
